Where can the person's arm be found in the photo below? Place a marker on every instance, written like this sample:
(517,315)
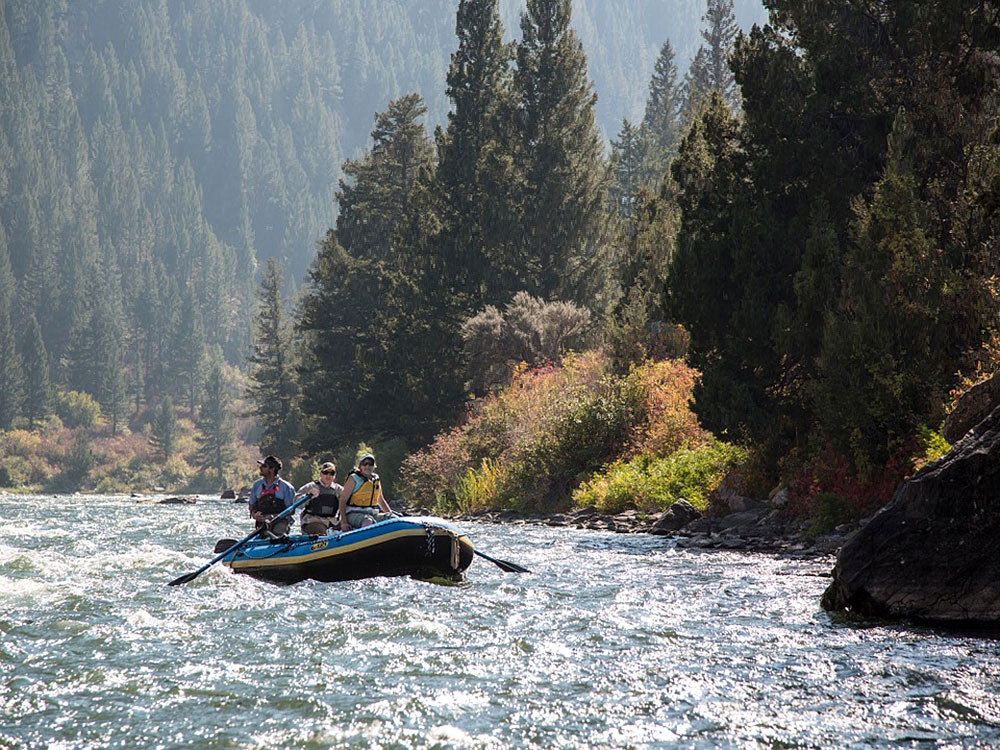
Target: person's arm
(345,495)
(252,502)
(383,503)
(309,488)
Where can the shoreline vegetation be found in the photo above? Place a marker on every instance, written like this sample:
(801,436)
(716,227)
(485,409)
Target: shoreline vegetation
(574,444)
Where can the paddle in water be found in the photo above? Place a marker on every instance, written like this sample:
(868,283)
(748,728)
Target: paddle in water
(188,577)
(503,564)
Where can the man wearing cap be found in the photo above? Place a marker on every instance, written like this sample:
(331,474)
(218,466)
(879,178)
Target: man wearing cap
(320,514)
(270,495)
(361,501)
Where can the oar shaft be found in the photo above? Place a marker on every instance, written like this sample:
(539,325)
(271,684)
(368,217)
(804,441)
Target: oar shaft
(191,576)
(504,565)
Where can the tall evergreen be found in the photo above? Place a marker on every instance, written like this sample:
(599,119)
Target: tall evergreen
(710,70)
(566,176)
(187,352)
(10,369)
(215,423)
(272,391)
(108,342)
(163,431)
(720,33)
(633,164)
(10,372)
(37,385)
(374,196)
(475,175)
(663,107)
(370,314)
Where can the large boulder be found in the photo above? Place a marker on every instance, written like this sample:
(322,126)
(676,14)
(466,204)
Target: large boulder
(932,553)
(676,517)
(972,407)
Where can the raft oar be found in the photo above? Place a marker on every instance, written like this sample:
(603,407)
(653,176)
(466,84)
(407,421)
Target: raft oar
(188,577)
(504,565)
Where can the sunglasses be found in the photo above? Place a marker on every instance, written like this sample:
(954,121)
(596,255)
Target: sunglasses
(328,472)
(367,463)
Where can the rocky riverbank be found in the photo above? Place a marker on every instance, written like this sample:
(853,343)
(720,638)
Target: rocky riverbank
(751,526)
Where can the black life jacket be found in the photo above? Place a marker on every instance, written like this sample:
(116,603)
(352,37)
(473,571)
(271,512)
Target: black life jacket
(269,503)
(327,503)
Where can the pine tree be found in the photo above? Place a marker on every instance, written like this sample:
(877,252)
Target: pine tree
(371,322)
(187,351)
(880,374)
(272,391)
(631,153)
(215,423)
(10,372)
(37,387)
(108,342)
(566,177)
(375,196)
(709,70)
(475,172)
(720,33)
(663,107)
(10,369)
(163,432)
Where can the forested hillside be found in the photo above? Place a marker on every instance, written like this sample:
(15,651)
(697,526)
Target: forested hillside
(153,154)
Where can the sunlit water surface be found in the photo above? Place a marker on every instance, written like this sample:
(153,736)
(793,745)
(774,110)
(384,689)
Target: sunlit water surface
(612,641)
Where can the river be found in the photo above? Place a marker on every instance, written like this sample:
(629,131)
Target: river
(613,641)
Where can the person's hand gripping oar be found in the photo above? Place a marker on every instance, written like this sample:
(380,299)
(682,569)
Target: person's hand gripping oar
(188,577)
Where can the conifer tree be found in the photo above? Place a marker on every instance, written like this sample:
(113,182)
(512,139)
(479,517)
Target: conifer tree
(475,173)
(10,372)
(215,423)
(37,386)
(663,107)
(163,431)
(633,165)
(710,70)
(566,177)
(720,33)
(369,319)
(187,351)
(10,369)
(375,194)
(108,342)
(272,390)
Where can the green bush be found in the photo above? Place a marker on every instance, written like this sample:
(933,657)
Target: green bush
(477,490)
(932,445)
(654,484)
(77,409)
(20,443)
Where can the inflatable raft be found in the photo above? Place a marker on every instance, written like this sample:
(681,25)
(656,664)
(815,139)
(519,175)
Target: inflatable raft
(418,546)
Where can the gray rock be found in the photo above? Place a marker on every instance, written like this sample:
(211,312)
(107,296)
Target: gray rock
(677,516)
(931,553)
(972,407)
(737,520)
(778,497)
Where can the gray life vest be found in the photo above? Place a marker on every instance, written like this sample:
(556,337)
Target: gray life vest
(327,503)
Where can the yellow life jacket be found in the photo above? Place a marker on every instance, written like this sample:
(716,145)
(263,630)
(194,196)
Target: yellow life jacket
(366,493)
